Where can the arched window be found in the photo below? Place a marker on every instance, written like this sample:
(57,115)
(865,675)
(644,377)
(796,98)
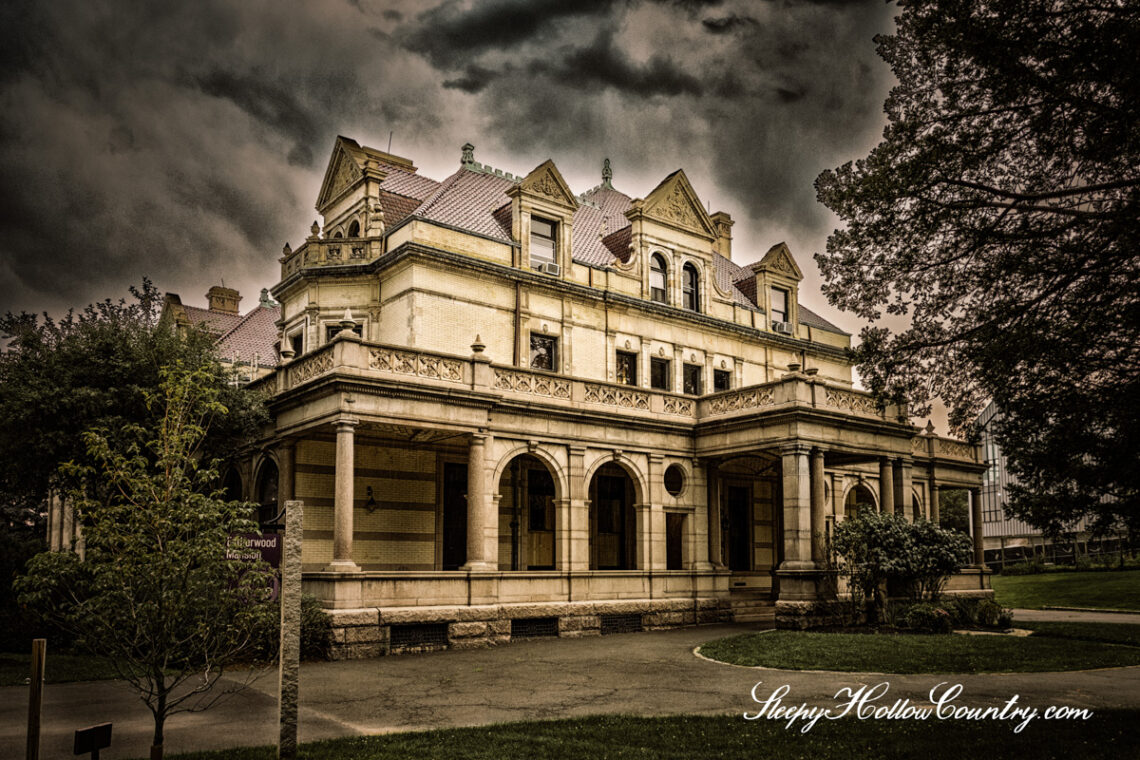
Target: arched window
(657,278)
(337,234)
(691,288)
(354,229)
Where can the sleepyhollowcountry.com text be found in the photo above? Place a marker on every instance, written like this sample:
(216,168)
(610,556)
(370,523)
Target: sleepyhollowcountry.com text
(869,703)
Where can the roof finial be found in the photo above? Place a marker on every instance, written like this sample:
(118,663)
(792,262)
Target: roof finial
(607,175)
(468,157)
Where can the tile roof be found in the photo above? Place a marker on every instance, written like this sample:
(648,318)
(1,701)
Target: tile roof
(397,207)
(810,318)
(254,335)
(596,224)
(215,322)
(408,184)
(468,200)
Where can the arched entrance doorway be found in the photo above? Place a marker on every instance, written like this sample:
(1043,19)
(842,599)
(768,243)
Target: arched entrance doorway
(613,524)
(268,510)
(526,515)
(231,485)
(860,500)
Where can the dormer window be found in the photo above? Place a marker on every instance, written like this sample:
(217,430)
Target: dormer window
(691,288)
(657,278)
(542,248)
(779,300)
(354,229)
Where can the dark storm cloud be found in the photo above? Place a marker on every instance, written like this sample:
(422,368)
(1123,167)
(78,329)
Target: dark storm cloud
(187,141)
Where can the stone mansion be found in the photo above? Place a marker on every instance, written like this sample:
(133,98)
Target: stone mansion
(510,409)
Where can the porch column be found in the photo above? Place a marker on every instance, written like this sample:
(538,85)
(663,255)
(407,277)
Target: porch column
(716,538)
(837,506)
(797,509)
(695,547)
(479,557)
(578,549)
(286,477)
(904,501)
(67,537)
(886,487)
(976,526)
(651,518)
(55,521)
(343,499)
(818,510)
(934,489)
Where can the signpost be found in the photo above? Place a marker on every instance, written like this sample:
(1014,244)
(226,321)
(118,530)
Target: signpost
(290,658)
(36,697)
(93,739)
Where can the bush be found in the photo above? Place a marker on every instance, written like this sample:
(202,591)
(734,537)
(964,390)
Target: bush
(912,559)
(988,614)
(316,632)
(925,617)
(1024,568)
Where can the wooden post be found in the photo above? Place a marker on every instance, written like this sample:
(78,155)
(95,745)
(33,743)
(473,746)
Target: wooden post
(36,697)
(289,666)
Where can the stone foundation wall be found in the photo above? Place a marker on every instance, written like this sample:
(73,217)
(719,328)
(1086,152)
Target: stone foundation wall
(363,633)
(799,616)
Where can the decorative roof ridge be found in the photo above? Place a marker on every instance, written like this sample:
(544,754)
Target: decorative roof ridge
(467,161)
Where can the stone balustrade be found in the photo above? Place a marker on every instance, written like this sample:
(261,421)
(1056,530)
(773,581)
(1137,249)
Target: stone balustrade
(330,252)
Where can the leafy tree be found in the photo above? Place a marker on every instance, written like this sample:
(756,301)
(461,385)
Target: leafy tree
(157,594)
(954,510)
(1000,216)
(94,369)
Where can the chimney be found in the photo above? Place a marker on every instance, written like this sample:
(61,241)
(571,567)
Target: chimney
(723,224)
(223,299)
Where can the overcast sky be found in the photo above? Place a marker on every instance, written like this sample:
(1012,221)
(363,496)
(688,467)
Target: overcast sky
(186,142)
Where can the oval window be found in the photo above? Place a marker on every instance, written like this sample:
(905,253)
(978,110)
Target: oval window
(674,479)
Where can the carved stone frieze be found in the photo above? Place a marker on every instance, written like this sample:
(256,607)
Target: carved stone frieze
(678,405)
(956,449)
(310,367)
(411,363)
(849,401)
(620,397)
(529,382)
(748,398)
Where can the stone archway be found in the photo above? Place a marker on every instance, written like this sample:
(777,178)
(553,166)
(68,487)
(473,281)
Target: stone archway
(527,515)
(859,499)
(613,522)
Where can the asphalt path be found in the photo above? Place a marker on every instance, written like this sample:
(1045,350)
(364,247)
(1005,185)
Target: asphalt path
(653,673)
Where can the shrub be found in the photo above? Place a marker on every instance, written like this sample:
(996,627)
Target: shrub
(925,617)
(988,614)
(1024,568)
(914,559)
(316,631)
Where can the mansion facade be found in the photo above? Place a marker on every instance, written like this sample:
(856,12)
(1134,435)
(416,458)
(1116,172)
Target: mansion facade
(512,410)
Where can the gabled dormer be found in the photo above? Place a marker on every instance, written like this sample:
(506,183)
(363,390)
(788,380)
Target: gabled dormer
(778,279)
(350,192)
(542,213)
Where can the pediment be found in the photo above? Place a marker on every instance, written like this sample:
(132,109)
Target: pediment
(342,172)
(546,182)
(779,259)
(675,202)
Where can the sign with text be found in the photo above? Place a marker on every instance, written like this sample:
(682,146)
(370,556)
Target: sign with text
(253,547)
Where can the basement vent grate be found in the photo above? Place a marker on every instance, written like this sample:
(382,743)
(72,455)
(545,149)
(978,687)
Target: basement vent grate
(419,635)
(626,623)
(529,628)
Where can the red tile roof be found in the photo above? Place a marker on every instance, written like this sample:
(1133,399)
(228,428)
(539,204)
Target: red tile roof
(253,337)
(215,322)
(468,200)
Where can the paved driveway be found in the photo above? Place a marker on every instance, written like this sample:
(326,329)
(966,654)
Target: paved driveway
(645,674)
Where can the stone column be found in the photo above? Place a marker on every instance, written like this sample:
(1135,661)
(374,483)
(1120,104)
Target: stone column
(478,556)
(579,549)
(837,506)
(818,510)
(643,541)
(904,501)
(976,526)
(934,514)
(55,521)
(886,486)
(797,508)
(716,537)
(696,542)
(654,516)
(286,471)
(67,536)
(343,501)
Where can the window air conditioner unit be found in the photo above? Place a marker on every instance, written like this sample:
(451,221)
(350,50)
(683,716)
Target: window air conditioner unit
(552,269)
(782,327)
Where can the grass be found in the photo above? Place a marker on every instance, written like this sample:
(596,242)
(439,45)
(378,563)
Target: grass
(1107,734)
(1109,590)
(16,668)
(1127,634)
(913,653)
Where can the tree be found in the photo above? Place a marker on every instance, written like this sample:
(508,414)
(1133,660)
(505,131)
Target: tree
(156,593)
(94,369)
(1000,216)
(954,510)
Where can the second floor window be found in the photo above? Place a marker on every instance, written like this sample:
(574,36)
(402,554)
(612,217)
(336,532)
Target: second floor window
(691,288)
(779,305)
(543,352)
(626,368)
(659,374)
(722,380)
(657,278)
(331,331)
(541,242)
(692,378)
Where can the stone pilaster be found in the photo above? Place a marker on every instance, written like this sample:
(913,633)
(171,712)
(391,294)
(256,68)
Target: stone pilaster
(289,665)
(818,510)
(976,526)
(343,499)
(716,535)
(579,549)
(935,516)
(286,471)
(797,508)
(904,500)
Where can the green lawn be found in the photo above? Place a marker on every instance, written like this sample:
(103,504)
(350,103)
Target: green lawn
(16,668)
(1106,735)
(1112,633)
(1106,589)
(914,653)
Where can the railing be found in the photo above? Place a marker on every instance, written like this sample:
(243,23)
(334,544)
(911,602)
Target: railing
(330,252)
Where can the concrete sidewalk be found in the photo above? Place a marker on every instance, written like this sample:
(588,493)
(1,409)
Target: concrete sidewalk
(645,674)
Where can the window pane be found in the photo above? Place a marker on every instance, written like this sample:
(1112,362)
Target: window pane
(627,368)
(722,380)
(692,379)
(543,352)
(657,279)
(541,242)
(779,305)
(690,286)
(659,374)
